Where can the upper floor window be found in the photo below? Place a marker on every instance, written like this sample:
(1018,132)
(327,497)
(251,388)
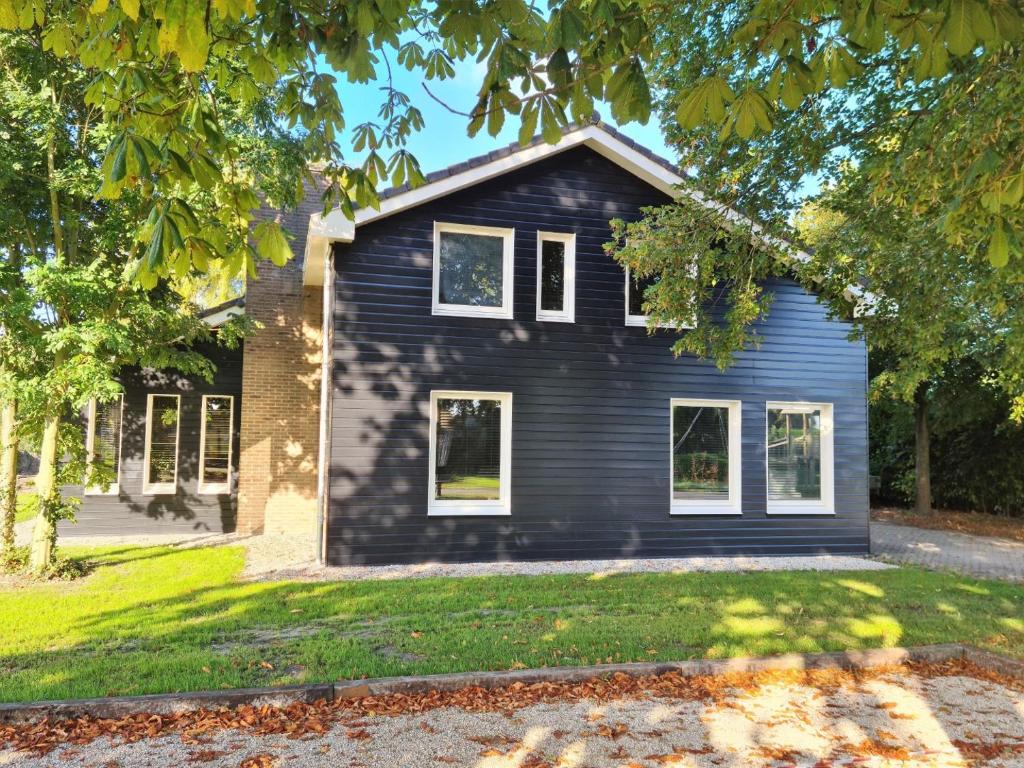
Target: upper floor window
(472,270)
(215,444)
(635,290)
(799,450)
(161,454)
(103,446)
(556,276)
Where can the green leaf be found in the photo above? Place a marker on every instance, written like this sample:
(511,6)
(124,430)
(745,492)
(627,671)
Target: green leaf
(131,9)
(792,93)
(960,37)
(8,16)
(528,127)
(999,246)
(272,244)
(119,167)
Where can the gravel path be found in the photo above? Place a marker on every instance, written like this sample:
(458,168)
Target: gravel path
(980,556)
(897,719)
(282,557)
(286,558)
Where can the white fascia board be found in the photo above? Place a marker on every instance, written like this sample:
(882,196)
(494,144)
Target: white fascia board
(335,227)
(219,318)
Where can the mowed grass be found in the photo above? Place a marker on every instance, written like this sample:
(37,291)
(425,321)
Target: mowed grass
(162,619)
(24,507)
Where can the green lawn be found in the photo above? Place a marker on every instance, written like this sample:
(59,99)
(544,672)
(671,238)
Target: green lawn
(158,619)
(25,507)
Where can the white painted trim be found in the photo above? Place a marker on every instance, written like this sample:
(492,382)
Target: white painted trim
(568,312)
(219,318)
(826,504)
(734,504)
(505,311)
(215,488)
(503,504)
(154,489)
(90,450)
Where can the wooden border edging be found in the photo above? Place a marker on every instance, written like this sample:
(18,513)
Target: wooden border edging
(172,703)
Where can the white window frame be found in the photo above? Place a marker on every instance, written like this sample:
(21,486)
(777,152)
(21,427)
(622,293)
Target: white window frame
(154,489)
(826,504)
(734,504)
(505,311)
(216,488)
(90,450)
(568,312)
(457,507)
(640,321)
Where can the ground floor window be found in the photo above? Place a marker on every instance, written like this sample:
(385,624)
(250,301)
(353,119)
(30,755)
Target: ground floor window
(705,455)
(799,455)
(161,453)
(215,444)
(470,453)
(103,446)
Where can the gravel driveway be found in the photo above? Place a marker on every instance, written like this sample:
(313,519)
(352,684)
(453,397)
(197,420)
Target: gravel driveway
(980,556)
(895,717)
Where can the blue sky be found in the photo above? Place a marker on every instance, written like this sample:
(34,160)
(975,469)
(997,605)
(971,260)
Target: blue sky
(443,140)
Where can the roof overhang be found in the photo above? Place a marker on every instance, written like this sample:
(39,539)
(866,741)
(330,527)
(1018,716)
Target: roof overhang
(335,227)
(220,314)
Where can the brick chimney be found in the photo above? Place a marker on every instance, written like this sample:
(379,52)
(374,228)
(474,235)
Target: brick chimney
(280,426)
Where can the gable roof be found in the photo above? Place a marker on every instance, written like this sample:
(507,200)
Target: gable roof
(602,138)
(335,227)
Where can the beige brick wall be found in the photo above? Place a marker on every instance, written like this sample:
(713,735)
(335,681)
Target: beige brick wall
(280,427)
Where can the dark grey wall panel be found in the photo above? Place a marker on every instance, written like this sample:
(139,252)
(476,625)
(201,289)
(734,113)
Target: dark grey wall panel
(131,511)
(590,464)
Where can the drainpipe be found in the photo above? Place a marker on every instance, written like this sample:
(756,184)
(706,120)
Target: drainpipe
(326,402)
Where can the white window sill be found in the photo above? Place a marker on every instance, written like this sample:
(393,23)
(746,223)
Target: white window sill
(640,321)
(468,510)
(456,310)
(114,490)
(697,509)
(159,490)
(555,319)
(213,490)
(799,509)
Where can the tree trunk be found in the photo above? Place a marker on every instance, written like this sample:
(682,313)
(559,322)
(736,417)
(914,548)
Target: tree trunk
(44,535)
(922,444)
(8,474)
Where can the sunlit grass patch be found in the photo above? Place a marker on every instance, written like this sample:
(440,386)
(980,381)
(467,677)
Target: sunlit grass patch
(166,619)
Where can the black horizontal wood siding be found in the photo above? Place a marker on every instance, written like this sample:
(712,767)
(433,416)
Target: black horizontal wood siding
(130,511)
(590,416)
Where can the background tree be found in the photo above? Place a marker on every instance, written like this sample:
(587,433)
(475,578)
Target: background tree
(73,317)
(900,123)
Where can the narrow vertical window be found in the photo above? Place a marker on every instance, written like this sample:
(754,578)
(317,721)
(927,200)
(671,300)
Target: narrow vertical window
(103,446)
(215,444)
(705,455)
(556,276)
(163,414)
(635,290)
(470,453)
(799,455)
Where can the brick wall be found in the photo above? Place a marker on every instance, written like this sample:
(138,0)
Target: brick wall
(280,425)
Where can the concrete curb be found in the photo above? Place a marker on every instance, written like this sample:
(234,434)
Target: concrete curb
(172,703)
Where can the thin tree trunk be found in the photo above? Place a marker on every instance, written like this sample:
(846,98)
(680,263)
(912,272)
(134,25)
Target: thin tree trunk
(8,474)
(44,535)
(922,445)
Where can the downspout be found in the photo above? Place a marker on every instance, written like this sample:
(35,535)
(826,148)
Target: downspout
(326,404)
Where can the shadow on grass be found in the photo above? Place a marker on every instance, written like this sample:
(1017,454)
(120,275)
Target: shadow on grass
(175,619)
